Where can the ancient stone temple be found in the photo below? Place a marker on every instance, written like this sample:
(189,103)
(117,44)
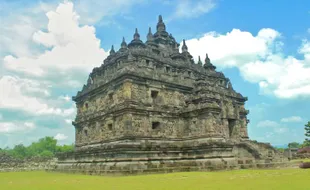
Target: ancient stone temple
(151,108)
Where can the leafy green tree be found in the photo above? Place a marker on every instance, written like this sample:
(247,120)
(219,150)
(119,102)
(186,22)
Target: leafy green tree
(45,147)
(46,154)
(19,151)
(65,148)
(307,129)
(47,143)
(280,149)
(294,145)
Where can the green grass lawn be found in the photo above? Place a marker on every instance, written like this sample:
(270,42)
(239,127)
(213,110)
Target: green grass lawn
(300,160)
(273,179)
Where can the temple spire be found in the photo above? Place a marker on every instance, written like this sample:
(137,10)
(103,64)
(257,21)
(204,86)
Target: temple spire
(136,42)
(160,19)
(136,36)
(207,60)
(112,51)
(199,61)
(149,35)
(160,25)
(208,64)
(123,45)
(184,47)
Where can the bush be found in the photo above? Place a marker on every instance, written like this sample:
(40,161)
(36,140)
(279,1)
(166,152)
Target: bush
(44,148)
(304,150)
(46,154)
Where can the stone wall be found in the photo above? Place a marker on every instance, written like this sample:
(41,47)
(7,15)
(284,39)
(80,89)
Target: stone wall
(8,163)
(149,156)
(108,115)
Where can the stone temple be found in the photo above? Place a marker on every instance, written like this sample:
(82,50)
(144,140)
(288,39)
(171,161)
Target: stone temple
(150,108)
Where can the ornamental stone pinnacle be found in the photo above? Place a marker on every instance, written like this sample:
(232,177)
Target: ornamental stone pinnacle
(161,27)
(123,45)
(184,47)
(112,51)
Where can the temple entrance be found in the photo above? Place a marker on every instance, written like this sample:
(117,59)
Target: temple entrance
(231,126)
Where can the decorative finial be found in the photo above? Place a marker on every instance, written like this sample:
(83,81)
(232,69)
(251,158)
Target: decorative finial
(112,51)
(136,36)
(160,25)
(160,19)
(208,64)
(123,44)
(149,35)
(207,60)
(199,61)
(184,47)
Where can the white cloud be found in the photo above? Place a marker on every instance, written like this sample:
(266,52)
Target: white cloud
(92,11)
(269,134)
(305,50)
(259,59)
(10,127)
(1,117)
(69,121)
(192,9)
(291,119)
(281,130)
(18,23)
(276,127)
(24,94)
(267,123)
(235,48)
(72,46)
(60,137)
(65,98)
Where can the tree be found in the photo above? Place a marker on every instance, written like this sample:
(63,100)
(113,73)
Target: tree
(65,148)
(46,154)
(45,147)
(47,143)
(280,149)
(19,151)
(293,145)
(307,134)
(307,129)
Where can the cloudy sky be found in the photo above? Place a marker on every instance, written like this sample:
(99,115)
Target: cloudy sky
(48,48)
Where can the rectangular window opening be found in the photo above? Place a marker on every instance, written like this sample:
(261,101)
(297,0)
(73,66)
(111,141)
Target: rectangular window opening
(231,126)
(110,126)
(167,69)
(111,96)
(155,125)
(154,94)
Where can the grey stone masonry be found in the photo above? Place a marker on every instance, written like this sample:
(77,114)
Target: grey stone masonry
(149,105)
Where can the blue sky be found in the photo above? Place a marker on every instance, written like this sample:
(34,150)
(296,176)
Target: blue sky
(48,48)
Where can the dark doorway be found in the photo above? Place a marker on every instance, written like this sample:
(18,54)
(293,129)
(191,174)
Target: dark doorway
(110,126)
(155,125)
(231,126)
(154,94)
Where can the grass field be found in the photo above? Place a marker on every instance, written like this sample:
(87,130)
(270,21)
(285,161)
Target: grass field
(275,179)
(300,160)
